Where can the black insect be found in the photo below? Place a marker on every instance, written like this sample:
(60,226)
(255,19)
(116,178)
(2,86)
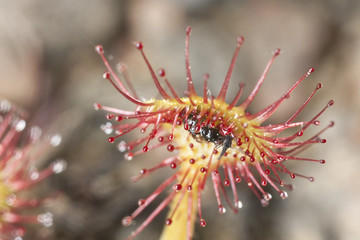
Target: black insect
(200,132)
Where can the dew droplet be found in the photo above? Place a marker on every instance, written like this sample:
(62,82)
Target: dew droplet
(122,146)
(141,202)
(107,128)
(238,204)
(109,116)
(35,133)
(222,210)
(139,45)
(277,51)
(59,166)
(34,174)
(129,156)
(99,49)
(311,70)
(10,199)
(46,219)
(168,222)
(170,148)
(20,125)
(106,75)
(161,72)
(264,203)
(173,165)
(267,196)
(240,39)
(5,106)
(97,106)
(177,187)
(143,171)
(127,221)
(283,194)
(55,140)
(202,223)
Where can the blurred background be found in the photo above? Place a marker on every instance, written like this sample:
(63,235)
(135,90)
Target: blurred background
(49,67)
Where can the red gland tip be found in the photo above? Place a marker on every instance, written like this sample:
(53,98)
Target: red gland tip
(139,45)
(143,171)
(283,195)
(97,106)
(322,161)
(111,139)
(106,75)
(170,148)
(168,222)
(319,86)
(240,40)
(330,103)
(141,202)
(311,70)
(202,223)
(109,116)
(331,124)
(126,221)
(177,187)
(162,72)
(277,52)
(99,49)
(222,210)
(206,76)
(188,30)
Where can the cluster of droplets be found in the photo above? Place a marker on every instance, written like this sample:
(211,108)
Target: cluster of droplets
(21,147)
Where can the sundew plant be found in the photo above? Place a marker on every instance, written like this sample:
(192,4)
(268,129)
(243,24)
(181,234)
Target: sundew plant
(21,147)
(211,141)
